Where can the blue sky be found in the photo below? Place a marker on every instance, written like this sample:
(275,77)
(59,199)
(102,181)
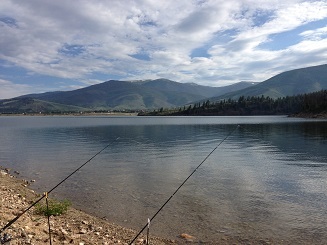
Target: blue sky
(51,45)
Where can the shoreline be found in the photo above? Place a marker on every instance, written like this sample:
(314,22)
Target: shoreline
(73,227)
(322,115)
(79,227)
(88,114)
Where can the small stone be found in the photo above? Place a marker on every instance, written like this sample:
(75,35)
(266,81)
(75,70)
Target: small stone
(85,222)
(187,237)
(140,240)
(3,172)
(83,231)
(28,241)
(64,231)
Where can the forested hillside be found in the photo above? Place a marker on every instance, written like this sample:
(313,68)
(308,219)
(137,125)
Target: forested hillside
(312,103)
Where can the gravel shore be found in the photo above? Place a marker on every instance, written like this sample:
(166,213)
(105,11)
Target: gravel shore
(77,227)
(74,227)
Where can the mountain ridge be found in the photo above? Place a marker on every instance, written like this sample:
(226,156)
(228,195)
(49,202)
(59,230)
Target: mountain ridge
(164,93)
(288,83)
(126,95)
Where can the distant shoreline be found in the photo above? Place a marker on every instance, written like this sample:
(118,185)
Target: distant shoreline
(322,115)
(72,114)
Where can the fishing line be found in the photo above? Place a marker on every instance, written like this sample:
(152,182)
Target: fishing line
(146,225)
(44,195)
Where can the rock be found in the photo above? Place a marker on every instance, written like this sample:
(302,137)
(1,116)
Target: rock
(64,231)
(83,231)
(3,172)
(28,241)
(187,237)
(140,241)
(23,234)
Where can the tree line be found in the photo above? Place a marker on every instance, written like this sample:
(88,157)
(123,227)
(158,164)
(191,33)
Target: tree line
(311,103)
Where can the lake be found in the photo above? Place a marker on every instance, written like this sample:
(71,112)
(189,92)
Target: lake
(268,179)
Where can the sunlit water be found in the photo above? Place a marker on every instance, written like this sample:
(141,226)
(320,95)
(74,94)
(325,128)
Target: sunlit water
(268,179)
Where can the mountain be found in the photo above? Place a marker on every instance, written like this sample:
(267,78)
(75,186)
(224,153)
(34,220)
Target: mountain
(163,93)
(117,95)
(30,105)
(193,88)
(299,81)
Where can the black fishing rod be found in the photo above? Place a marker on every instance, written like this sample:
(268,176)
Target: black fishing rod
(46,193)
(149,220)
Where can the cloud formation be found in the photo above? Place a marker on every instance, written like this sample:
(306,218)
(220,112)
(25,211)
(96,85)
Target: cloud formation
(213,42)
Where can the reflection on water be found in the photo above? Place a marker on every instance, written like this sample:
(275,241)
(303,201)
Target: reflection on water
(267,180)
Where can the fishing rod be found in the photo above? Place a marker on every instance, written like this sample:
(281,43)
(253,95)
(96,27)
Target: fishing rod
(180,186)
(46,193)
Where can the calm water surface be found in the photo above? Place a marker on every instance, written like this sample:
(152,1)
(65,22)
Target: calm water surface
(267,180)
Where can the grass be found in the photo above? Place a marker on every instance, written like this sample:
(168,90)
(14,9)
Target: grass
(55,207)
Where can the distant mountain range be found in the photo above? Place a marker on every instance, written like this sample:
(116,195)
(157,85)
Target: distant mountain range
(117,95)
(289,83)
(163,93)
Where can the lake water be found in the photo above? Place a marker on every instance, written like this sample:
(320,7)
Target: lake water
(268,179)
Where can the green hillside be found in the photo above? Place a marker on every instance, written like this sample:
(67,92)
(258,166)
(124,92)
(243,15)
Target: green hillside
(30,105)
(163,93)
(299,81)
(119,95)
(126,95)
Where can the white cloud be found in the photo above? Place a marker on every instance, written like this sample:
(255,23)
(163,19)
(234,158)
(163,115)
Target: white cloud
(106,35)
(10,90)
(315,35)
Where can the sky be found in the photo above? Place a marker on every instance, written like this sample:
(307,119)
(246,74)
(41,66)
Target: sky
(61,45)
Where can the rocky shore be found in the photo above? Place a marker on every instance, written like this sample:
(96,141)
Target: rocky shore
(77,227)
(73,227)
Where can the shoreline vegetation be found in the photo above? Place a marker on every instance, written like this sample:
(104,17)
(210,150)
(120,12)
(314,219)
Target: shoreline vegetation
(313,105)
